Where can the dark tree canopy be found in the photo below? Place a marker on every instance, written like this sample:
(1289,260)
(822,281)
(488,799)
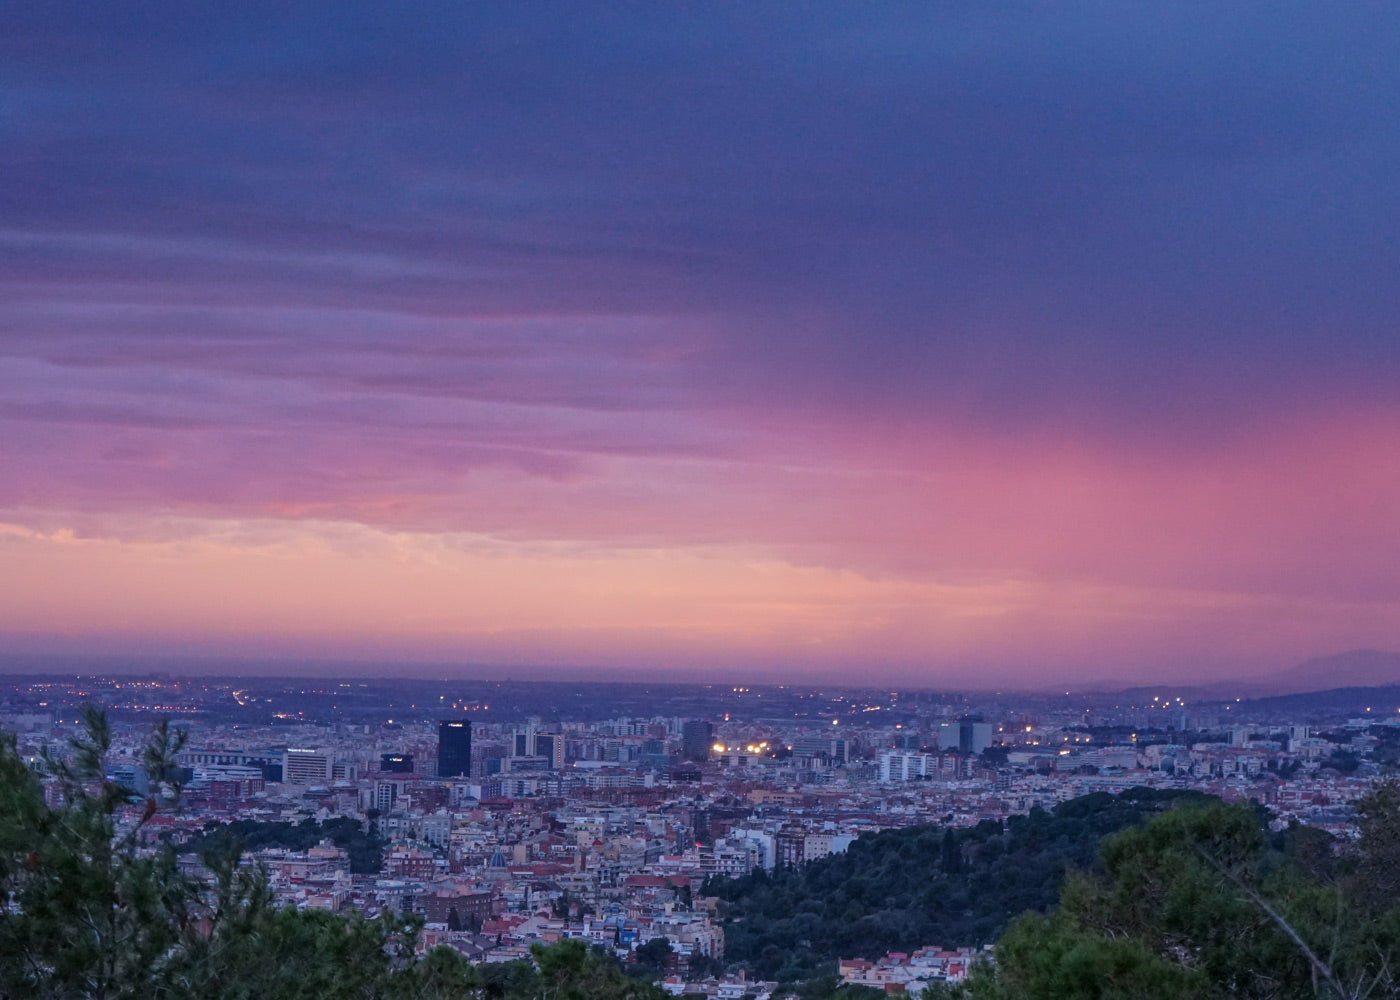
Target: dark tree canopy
(901,889)
(1207,903)
(366,849)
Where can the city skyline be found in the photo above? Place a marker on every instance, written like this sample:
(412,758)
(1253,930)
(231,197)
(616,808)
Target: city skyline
(962,346)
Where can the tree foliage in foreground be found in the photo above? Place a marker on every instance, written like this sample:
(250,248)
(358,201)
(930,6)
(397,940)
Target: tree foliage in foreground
(901,889)
(1206,903)
(92,917)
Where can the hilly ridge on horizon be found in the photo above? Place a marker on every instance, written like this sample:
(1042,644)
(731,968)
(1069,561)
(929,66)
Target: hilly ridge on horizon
(1356,668)
(1352,669)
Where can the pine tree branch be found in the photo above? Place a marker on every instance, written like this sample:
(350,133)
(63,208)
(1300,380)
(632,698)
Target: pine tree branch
(1318,965)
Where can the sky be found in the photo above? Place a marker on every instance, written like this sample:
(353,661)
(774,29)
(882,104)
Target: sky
(952,344)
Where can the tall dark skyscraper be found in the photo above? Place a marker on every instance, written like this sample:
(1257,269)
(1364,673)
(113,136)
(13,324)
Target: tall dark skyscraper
(696,737)
(454,748)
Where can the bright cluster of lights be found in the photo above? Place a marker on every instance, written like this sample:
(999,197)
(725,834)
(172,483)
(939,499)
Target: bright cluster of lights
(747,748)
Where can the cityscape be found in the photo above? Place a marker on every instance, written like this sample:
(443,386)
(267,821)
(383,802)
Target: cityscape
(512,813)
(729,501)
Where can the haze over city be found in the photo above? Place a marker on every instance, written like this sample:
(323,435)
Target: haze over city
(961,346)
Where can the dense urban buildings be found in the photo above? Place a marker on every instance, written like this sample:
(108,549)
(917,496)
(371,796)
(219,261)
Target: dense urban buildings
(600,811)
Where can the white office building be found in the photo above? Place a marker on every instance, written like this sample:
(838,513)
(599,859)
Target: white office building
(904,765)
(307,767)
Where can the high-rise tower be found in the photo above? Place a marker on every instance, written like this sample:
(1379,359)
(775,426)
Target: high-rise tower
(696,737)
(454,748)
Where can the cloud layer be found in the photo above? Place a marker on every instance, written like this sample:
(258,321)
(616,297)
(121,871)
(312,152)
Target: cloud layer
(1056,341)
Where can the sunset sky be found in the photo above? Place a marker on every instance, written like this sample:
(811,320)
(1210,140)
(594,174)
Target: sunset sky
(956,343)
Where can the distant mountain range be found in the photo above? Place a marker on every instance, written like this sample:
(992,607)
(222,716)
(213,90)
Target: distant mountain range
(1353,669)
(1357,668)
(1354,702)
